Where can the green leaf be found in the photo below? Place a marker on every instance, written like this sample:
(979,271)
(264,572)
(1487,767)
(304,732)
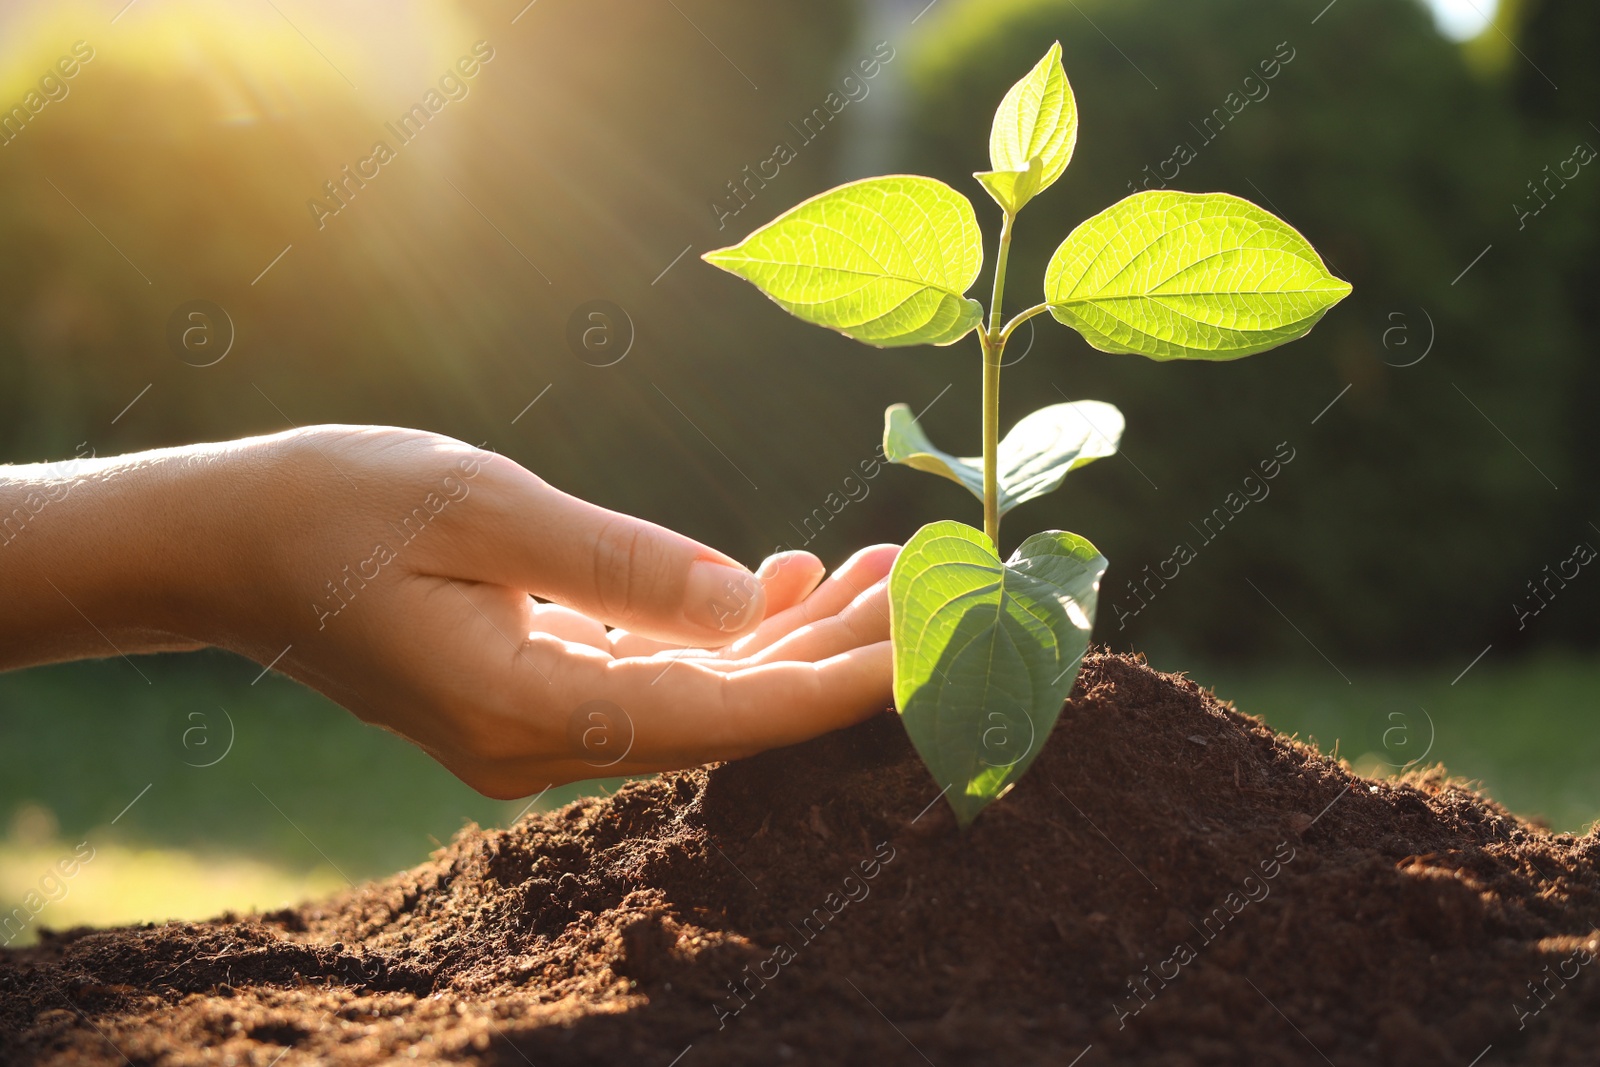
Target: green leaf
(1188,276)
(1033,458)
(1037,119)
(1013,188)
(883,260)
(985,652)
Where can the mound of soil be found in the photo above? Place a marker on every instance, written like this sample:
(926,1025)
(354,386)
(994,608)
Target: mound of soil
(1173,883)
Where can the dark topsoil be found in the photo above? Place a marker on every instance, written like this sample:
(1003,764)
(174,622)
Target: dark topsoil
(1172,883)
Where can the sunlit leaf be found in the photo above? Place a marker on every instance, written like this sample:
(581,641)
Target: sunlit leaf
(1033,458)
(1188,276)
(1013,188)
(884,260)
(1037,119)
(985,653)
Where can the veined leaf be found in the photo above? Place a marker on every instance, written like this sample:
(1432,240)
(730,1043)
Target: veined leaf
(1033,458)
(1013,188)
(985,652)
(1037,119)
(1173,275)
(883,260)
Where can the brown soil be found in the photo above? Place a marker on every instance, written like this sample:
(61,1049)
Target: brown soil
(1173,883)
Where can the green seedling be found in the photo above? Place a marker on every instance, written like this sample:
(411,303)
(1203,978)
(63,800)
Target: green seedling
(986,651)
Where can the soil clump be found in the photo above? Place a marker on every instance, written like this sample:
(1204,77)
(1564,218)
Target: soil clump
(1172,883)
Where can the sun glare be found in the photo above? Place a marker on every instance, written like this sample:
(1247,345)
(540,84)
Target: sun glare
(1462,20)
(252,61)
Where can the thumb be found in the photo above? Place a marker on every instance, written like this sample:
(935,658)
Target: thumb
(615,568)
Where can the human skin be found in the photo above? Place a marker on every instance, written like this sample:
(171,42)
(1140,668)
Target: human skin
(395,571)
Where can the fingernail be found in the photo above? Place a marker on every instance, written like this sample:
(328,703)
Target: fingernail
(720,597)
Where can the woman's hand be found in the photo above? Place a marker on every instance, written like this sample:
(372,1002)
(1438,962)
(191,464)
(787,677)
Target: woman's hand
(394,571)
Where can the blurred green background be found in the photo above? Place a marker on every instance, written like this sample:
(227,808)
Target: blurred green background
(1440,418)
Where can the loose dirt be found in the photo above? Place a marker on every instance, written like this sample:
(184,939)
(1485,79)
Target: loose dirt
(1173,883)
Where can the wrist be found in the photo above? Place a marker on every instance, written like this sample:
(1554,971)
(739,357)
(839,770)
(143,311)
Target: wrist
(126,554)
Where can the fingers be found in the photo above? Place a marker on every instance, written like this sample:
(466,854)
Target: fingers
(859,572)
(692,714)
(614,568)
(864,621)
(584,716)
(625,644)
(664,714)
(787,578)
(569,625)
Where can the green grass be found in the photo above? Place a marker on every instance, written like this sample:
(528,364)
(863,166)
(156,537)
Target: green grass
(1528,730)
(305,783)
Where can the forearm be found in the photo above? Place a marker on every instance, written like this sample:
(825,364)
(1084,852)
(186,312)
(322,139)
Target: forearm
(101,557)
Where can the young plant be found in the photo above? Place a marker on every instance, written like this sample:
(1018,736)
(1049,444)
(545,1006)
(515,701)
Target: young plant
(986,651)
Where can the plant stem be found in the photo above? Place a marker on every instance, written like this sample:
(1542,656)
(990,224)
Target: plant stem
(994,347)
(1000,276)
(991,441)
(1020,318)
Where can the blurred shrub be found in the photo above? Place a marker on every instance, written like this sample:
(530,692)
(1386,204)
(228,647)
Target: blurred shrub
(1555,84)
(1406,523)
